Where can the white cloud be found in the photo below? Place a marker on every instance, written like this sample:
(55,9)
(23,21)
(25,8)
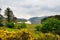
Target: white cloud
(30,8)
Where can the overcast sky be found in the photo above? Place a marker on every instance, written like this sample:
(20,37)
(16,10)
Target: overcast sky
(31,8)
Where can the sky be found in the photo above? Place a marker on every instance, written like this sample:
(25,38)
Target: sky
(31,8)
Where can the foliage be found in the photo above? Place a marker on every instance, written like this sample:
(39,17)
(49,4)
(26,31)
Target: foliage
(20,35)
(1,17)
(9,14)
(38,28)
(14,19)
(55,16)
(24,34)
(1,24)
(51,24)
(21,25)
(10,25)
(50,36)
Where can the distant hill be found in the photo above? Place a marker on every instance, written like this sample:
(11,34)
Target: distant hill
(33,20)
(55,16)
(21,20)
(36,20)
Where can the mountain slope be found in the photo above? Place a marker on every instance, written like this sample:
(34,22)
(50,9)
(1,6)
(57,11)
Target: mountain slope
(36,20)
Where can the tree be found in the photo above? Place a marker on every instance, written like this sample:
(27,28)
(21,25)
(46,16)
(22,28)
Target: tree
(55,16)
(9,14)
(22,25)
(1,18)
(14,19)
(0,9)
(52,25)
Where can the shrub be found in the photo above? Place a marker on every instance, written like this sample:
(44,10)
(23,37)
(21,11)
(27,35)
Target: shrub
(50,36)
(38,28)
(24,34)
(21,25)
(52,25)
(20,35)
(1,24)
(10,24)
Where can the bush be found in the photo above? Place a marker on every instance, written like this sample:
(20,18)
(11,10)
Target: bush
(38,28)
(52,25)
(21,25)
(24,34)
(13,35)
(10,24)
(1,24)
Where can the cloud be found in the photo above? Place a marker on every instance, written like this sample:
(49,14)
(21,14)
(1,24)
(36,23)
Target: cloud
(30,8)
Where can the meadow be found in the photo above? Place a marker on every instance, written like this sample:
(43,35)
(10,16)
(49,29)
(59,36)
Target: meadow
(10,29)
(28,33)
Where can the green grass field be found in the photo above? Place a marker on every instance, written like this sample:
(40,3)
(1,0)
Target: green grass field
(30,27)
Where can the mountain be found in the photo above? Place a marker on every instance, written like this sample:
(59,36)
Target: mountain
(21,20)
(55,16)
(36,20)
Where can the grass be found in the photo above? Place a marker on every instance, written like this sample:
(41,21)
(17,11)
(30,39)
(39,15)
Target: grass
(30,27)
(8,29)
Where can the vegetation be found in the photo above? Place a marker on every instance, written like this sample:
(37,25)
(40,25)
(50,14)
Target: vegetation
(1,18)
(10,29)
(38,28)
(55,16)
(10,25)
(8,14)
(1,24)
(21,25)
(24,34)
(50,25)
(20,35)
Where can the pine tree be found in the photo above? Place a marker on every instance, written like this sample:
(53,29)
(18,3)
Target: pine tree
(9,14)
